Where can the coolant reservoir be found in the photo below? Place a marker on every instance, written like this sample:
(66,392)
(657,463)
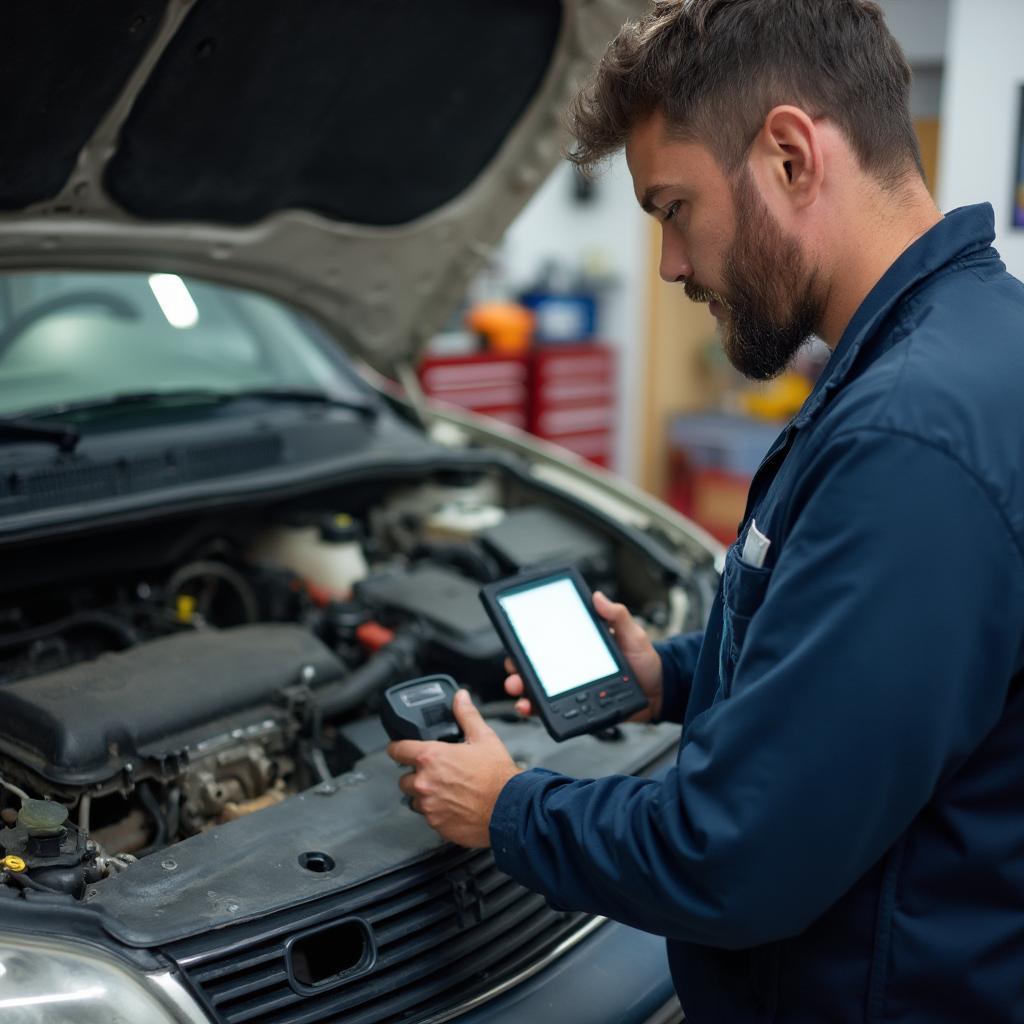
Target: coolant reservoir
(461,521)
(327,556)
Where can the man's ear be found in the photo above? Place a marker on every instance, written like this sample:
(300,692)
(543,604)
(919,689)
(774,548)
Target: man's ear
(789,155)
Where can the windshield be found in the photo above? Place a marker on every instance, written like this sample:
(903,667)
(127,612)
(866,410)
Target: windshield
(73,337)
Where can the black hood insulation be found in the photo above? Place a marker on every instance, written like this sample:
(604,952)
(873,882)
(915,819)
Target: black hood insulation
(366,112)
(62,65)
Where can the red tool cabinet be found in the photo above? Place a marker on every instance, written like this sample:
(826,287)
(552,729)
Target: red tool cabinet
(561,393)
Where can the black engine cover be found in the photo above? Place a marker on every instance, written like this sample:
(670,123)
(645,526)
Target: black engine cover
(83,724)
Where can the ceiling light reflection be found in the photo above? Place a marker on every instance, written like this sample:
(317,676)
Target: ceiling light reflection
(175,301)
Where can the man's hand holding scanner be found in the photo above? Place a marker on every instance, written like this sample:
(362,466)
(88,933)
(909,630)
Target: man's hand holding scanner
(456,785)
(636,647)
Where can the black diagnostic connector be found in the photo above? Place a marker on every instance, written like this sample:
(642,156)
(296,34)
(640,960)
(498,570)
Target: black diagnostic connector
(421,709)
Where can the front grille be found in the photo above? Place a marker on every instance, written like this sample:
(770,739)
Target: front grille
(446,930)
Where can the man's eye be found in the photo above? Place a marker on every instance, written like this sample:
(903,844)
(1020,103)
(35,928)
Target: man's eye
(670,211)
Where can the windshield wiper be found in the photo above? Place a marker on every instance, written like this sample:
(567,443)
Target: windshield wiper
(200,396)
(65,437)
(368,409)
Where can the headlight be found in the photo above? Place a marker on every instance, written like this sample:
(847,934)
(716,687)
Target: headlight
(49,983)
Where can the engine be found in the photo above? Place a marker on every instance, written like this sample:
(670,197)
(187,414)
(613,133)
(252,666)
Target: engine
(143,706)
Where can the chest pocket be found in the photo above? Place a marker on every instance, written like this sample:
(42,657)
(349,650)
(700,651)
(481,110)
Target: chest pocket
(743,589)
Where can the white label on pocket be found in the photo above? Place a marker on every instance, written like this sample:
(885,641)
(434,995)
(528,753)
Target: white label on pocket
(755,547)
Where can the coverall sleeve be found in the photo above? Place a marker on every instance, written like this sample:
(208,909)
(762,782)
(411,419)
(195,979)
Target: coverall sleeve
(879,659)
(678,660)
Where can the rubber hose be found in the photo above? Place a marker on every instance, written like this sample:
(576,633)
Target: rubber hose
(30,883)
(149,801)
(391,664)
(123,631)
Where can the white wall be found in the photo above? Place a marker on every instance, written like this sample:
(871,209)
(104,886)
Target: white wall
(553,226)
(980,113)
(920,27)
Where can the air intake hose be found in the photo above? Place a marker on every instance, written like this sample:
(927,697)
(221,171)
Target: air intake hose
(391,664)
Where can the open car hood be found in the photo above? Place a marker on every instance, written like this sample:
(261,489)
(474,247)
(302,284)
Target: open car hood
(355,158)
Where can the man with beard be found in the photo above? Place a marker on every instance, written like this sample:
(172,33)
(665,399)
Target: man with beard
(842,836)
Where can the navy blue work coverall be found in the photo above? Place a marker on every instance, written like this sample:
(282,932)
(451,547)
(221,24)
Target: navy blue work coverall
(842,837)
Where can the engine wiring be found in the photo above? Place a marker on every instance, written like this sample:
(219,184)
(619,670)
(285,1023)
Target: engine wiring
(17,791)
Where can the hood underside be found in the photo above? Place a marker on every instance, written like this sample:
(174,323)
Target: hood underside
(357,159)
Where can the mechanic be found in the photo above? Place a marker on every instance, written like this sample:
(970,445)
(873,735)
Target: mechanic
(842,836)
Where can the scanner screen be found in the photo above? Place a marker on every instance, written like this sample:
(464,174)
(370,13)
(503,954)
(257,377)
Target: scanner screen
(559,636)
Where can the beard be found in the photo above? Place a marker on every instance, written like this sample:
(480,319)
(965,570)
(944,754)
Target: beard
(774,305)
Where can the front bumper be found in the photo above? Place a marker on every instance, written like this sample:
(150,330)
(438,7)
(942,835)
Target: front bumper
(617,975)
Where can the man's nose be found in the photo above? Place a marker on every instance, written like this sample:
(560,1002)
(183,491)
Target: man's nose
(675,261)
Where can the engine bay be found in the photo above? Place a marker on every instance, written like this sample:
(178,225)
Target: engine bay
(159,683)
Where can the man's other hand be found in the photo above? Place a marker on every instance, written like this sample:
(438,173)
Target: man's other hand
(636,648)
(456,785)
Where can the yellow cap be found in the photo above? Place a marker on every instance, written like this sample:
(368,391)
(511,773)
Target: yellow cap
(13,863)
(185,608)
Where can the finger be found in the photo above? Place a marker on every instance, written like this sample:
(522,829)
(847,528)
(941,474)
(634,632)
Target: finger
(472,722)
(617,615)
(514,685)
(407,783)
(405,752)
(524,708)
(510,666)
(609,610)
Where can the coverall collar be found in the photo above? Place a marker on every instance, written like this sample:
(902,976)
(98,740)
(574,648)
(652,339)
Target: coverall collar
(958,235)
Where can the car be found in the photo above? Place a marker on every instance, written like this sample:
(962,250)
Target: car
(226,230)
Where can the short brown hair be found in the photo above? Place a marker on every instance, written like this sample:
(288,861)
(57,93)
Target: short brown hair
(715,68)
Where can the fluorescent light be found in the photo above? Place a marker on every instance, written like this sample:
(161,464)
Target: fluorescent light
(175,302)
